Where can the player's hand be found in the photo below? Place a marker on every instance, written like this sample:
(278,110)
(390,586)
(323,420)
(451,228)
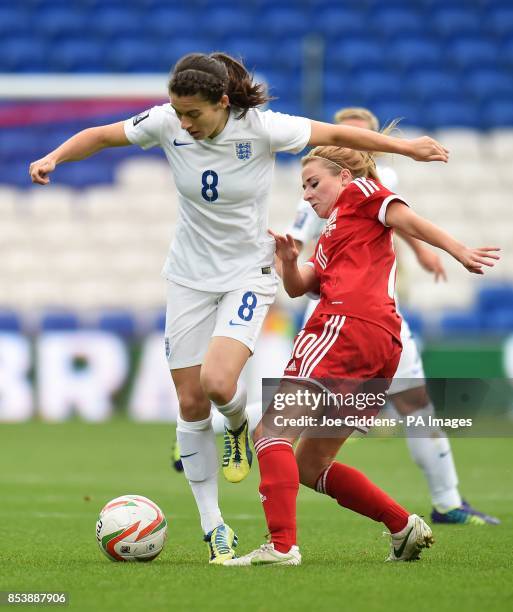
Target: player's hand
(427,149)
(475,259)
(40,169)
(286,248)
(431,262)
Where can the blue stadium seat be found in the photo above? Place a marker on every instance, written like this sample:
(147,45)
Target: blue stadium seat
(111,22)
(177,47)
(468,53)
(119,322)
(414,320)
(408,113)
(432,84)
(55,22)
(77,56)
(15,172)
(461,323)
(129,55)
(355,53)
(449,21)
(60,320)
(9,321)
(498,113)
(445,113)
(415,52)
(14,21)
(500,321)
(487,83)
(160,321)
(338,84)
(224,21)
(255,55)
(335,21)
(18,143)
(499,20)
(334,104)
(279,22)
(495,297)
(505,55)
(378,85)
(23,54)
(93,171)
(400,21)
(169,21)
(288,54)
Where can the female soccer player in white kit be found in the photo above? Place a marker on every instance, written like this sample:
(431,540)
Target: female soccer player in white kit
(220,269)
(429,448)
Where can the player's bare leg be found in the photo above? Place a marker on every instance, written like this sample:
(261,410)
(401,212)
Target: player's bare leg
(431,450)
(198,453)
(219,378)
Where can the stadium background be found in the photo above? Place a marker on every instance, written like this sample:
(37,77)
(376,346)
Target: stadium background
(82,301)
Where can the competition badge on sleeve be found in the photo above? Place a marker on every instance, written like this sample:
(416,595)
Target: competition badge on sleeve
(243,149)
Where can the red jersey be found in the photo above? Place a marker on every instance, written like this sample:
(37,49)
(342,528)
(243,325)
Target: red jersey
(354,258)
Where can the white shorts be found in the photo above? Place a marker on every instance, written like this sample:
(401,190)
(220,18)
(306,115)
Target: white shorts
(193,317)
(410,371)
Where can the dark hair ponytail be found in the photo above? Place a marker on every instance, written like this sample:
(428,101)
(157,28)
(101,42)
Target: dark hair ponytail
(215,75)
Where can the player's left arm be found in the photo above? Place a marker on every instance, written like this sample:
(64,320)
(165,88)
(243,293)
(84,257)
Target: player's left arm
(427,258)
(419,149)
(296,280)
(401,217)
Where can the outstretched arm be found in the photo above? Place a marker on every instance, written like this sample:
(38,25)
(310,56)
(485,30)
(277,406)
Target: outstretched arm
(419,149)
(81,145)
(297,281)
(400,216)
(428,259)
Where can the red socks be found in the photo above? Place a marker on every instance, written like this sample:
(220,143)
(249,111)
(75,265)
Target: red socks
(355,491)
(279,484)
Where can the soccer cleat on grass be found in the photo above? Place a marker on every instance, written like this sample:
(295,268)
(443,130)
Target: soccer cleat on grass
(237,456)
(487,518)
(407,543)
(221,542)
(267,555)
(463,515)
(176,460)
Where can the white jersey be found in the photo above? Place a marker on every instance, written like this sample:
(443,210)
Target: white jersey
(223,186)
(308,226)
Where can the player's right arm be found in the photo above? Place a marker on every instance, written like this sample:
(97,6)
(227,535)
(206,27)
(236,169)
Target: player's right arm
(296,280)
(401,217)
(81,145)
(428,259)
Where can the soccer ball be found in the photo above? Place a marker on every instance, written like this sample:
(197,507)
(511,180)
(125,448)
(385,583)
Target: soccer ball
(131,528)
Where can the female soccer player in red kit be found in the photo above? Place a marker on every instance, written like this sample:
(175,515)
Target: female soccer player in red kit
(354,333)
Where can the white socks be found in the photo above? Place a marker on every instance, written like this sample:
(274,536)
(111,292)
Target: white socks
(432,453)
(198,452)
(235,410)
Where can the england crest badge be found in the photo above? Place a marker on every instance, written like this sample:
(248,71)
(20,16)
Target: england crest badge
(243,149)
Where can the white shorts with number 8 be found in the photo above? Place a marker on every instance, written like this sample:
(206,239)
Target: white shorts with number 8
(193,317)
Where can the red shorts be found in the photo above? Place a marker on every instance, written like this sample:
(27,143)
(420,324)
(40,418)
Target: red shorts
(345,355)
(337,346)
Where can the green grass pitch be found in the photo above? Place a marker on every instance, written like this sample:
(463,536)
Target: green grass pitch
(55,478)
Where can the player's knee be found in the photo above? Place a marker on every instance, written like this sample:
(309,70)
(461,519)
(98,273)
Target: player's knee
(411,400)
(310,469)
(217,387)
(193,406)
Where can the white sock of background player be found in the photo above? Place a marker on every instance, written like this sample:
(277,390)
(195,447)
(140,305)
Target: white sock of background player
(432,453)
(235,410)
(198,451)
